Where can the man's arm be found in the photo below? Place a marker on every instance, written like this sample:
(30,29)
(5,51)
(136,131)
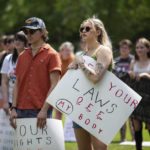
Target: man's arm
(41,117)
(13,114)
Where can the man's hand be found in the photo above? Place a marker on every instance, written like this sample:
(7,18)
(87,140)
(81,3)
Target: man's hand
(13,116)
(41,119)
(6,107)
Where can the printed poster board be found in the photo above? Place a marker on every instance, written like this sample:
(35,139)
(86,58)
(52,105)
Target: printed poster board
(69,131)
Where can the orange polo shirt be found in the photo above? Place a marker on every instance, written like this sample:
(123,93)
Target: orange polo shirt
(65,64)
(33,74)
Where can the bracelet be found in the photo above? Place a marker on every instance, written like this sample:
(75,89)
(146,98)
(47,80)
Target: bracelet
(13,107)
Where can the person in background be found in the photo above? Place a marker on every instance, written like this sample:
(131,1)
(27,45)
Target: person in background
(140,68)
(3,45)
(2,52)
(37,73)
(122,64)
(7,45)
(8,69)
(99,47)
(66,51)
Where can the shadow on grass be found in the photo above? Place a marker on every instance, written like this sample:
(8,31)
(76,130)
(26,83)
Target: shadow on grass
(115,142)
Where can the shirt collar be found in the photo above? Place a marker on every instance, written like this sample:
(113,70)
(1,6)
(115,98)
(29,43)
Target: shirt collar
(41,49)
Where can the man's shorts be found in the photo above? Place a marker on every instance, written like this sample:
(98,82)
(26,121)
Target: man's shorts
(31,113)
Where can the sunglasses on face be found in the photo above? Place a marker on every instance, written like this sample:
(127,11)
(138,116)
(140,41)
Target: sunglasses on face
(87,29)
(31,31)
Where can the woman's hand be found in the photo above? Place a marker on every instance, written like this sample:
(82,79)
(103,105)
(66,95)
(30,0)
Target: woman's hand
(141,75)
(132,74)
(77,60)
(73,65)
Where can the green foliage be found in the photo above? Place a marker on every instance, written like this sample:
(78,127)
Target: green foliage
(122,18)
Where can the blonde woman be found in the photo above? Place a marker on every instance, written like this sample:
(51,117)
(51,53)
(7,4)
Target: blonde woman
(140,68)
(99,47)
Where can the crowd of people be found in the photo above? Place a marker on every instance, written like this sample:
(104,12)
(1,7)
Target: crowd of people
(31,68)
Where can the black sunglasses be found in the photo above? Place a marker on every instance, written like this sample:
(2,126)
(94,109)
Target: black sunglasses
(30,31)
(87,29)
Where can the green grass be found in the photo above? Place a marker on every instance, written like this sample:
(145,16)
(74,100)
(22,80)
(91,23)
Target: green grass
(115,143)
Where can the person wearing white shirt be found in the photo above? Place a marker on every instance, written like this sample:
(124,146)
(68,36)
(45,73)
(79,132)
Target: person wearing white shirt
(8,69)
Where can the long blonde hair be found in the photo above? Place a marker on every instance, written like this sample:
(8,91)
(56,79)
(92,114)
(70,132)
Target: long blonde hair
(98,25)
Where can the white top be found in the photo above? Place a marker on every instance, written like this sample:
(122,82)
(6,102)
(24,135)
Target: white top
(138,70)
(9,68)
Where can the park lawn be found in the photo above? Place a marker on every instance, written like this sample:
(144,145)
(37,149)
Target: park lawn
(115,143)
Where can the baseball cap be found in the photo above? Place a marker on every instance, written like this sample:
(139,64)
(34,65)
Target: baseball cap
(34,23)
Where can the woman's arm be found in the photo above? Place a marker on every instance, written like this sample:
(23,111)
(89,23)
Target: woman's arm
(104,58)
(141,75)
(130,72)
(5,93)
(131,65)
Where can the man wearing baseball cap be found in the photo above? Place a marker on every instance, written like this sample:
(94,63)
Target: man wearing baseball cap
(38,71)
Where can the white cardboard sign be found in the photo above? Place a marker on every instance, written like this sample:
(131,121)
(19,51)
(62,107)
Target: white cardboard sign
(100,108)
(68,131)
(6,132)
(28,137)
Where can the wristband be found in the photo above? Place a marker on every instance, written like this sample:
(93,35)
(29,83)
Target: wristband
(13,107)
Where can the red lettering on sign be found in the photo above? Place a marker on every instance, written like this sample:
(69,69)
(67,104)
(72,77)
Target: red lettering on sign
(111,86)
(61,103)
(119,93)
(68,107)
(98,115)
(87,121)
(135,103)
(94,126)
(100,130)
(127,101)
(79,100)
(90,65)
(80,117)
(87,108)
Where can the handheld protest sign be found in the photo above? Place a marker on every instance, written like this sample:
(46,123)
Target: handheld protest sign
(28,137)
(68,131)
(6,132)
(100,108)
